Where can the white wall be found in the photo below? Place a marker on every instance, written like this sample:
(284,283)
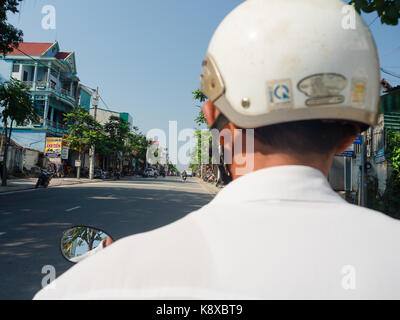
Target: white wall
(28,69)
(31,158)
(17,75)
(103,116)
(5,70)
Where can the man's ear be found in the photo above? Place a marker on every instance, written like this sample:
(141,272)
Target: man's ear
(210,112)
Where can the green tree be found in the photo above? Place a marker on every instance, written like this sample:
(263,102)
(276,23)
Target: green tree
(137,144)
(9,35)
(199,152)
(172,168)
(387,10)
(200,97)
(391,197)
(17,108)
(117,131)
(393,151)
(83,131)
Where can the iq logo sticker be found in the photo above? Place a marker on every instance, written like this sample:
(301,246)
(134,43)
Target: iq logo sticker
(279,93)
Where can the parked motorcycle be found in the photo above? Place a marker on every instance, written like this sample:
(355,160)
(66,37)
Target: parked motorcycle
(44,179)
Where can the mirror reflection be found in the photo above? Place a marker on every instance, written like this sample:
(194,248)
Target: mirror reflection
(80,242)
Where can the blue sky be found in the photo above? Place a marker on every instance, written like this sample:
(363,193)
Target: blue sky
(146,55)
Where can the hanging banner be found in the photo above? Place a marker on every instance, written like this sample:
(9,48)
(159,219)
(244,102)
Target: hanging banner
(53,147)
(380,156)
(65,143)
(359,139)
(64,153)
(65,148)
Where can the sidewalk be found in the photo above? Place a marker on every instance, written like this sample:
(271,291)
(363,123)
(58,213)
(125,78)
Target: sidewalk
(26,184)
(208,186)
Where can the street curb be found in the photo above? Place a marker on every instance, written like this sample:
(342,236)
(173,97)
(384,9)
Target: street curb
(77,182)
(208,187)
(59,185)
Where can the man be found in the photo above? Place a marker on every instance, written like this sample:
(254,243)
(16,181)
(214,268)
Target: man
(308,86)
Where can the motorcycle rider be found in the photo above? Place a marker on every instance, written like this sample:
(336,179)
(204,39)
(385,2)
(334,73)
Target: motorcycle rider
(184,175)
(308,86)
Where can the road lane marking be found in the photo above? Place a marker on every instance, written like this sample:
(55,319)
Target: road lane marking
(71,209)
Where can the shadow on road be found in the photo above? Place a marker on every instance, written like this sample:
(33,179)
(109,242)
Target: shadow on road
(34,221)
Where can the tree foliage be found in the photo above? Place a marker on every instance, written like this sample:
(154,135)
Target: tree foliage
(83,130)
(200,151)
(200,97)
(391,197)
(393,151)
(16,102)
(387,10)
(117,131)
(17,108)
(9,35)
(137,144)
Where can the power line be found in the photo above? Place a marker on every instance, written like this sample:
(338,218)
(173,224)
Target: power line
(104,102)
(373,21)
(390,73)
(47,66)
(24,53)
(94,90)
(390,52)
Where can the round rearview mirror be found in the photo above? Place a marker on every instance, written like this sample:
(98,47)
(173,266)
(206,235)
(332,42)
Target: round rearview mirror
(79,243)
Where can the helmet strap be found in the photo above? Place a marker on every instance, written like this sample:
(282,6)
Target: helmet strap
(220,122)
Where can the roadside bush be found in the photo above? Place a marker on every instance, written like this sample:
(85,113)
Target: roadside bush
(391,197)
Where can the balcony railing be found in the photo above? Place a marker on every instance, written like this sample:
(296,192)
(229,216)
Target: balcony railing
(58,127)
(29,84)
(42,85)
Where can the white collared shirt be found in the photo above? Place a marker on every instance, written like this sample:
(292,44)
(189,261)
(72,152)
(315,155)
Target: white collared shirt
(276,233)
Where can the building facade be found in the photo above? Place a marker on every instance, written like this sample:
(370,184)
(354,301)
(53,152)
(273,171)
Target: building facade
(54,85)
(102,116)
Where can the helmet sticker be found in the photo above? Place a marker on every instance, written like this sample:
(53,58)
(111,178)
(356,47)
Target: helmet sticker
(358,86)
(280,93)
(323,88)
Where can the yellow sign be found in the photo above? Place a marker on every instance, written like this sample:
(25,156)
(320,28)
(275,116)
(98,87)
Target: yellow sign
(53,147)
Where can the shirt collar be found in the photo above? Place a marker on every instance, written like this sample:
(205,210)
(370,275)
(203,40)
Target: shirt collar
(292,183)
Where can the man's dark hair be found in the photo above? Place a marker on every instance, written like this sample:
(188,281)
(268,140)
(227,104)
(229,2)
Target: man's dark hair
(301,137)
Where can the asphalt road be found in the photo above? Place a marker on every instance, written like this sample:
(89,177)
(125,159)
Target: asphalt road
(32,222)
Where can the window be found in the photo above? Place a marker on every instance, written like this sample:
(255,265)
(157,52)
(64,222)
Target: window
(15,68)
(25,76)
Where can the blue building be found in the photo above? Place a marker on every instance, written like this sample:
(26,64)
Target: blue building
(52,76)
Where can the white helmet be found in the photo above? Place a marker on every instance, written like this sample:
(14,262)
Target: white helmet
(275,61)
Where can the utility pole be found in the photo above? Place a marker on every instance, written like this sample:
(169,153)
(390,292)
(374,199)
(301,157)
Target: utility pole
(362,180)
(92,149)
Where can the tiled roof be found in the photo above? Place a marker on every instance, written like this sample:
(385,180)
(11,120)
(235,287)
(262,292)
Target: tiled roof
(31,48)
(386,84)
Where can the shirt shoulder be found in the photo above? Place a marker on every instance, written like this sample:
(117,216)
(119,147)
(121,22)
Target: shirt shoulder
(173,256)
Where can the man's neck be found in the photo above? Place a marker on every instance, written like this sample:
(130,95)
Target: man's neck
(264,160)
